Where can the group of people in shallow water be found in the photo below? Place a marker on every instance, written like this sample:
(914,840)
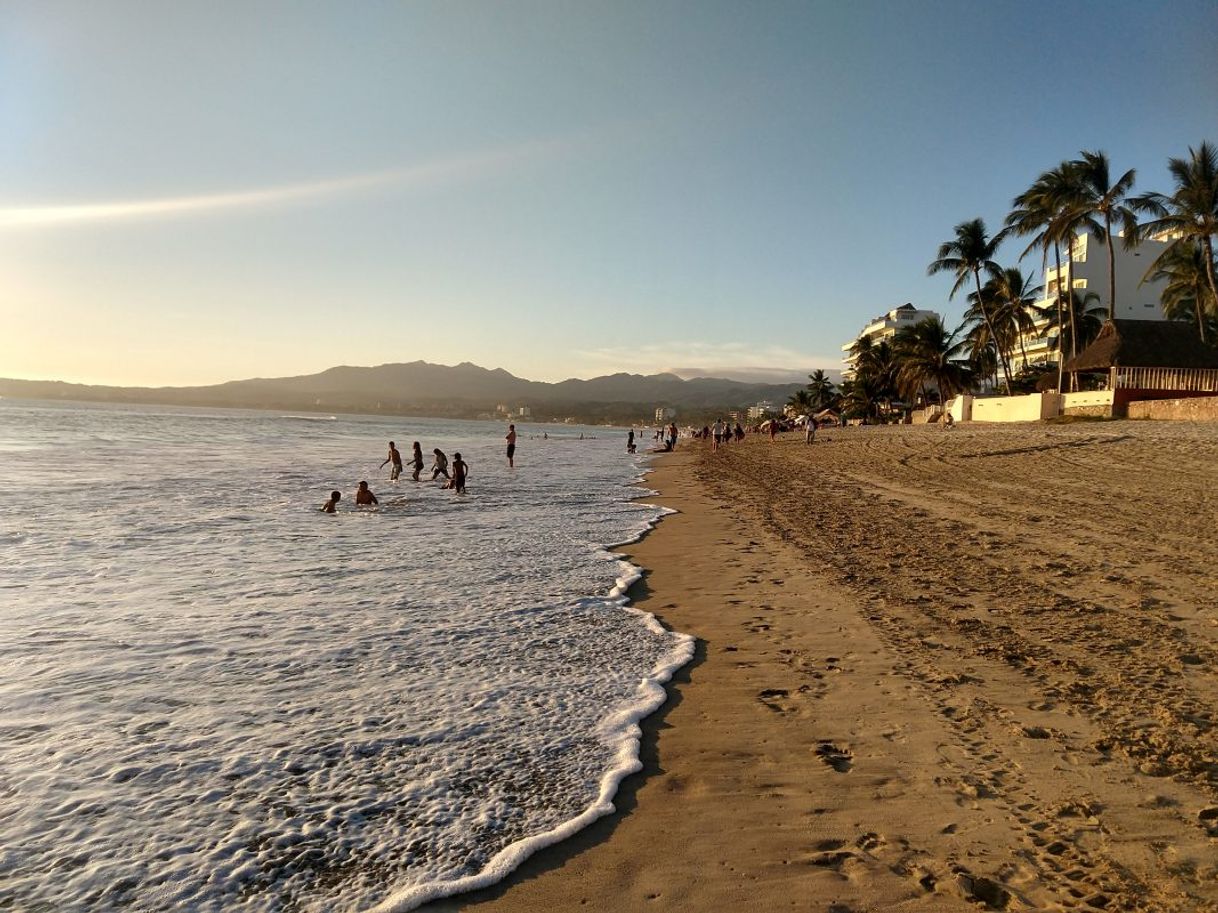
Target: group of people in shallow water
(666,438)
(455,473)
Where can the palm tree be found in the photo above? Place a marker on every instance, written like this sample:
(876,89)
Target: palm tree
(1191,212)
(1187,294)
(1013,300)
(1043,211)
(928,354)
(1082,324)
(970,252)
(821,388)
(983,333)
(1103,202)
(801,399)
(872,380)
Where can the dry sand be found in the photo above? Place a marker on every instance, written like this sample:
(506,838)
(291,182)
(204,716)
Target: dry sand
(938,669)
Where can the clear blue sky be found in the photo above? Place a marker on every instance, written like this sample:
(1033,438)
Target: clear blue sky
(196,192)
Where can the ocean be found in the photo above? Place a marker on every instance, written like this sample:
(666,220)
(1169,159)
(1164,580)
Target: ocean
(215,697)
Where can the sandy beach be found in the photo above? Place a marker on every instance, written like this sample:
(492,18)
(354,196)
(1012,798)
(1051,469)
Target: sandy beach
(936,670)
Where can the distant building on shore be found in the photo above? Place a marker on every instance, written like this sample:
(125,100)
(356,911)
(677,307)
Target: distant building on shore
(761,410)
(525,412)
(884,328)
(1086,272)
(665,414)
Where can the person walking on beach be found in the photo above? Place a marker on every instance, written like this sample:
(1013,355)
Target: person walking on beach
(396,459)
(672,436)
(716,434)
(739,433)
(364,495)
(810,430)
(331,506)
(440,465)
(460,471)
(773,429)
(511,447)
(630,448)
(416,460)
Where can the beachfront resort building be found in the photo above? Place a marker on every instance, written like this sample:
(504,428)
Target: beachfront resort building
(761,410)
(1086,272)
(665,414)
(884,328)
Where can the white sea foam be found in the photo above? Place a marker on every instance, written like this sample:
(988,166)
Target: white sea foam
(214,697)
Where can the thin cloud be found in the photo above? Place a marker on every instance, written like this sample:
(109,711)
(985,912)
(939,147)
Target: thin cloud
(461,168)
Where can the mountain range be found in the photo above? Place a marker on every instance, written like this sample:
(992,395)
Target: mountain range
(420,388)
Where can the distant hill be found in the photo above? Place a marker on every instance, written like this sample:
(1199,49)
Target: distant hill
(421,388)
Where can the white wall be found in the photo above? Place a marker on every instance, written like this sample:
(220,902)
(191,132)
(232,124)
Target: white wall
(1030,408)
(1086,398)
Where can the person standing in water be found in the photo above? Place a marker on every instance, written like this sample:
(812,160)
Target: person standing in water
(331,506)
(511,447)
(416,460)
(396,459)
(460,471)
(364,495)
(440,465)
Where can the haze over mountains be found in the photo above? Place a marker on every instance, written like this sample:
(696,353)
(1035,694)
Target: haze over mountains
(421,388)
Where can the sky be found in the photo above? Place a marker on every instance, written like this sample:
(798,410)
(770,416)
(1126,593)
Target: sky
(199,192)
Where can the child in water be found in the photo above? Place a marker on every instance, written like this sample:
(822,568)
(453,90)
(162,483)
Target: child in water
(331,506)
(364,495)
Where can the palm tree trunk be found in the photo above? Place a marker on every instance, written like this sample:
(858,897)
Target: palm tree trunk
(1070,308)
(1111,268)
(1061,355)
(1006,371)
(1207,251)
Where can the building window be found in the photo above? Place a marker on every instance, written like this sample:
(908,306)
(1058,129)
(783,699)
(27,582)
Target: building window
(1080,283)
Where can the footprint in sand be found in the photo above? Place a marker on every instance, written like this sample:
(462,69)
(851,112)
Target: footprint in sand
(839,758)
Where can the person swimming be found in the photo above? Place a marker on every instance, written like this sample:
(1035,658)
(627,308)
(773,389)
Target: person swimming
(331,506)
(364,495)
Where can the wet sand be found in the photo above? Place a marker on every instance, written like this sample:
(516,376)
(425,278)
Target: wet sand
(937,670)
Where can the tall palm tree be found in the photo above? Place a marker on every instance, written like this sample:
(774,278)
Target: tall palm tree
(1190,213)
(1187,294)
(1081,325)
(985,333)
(1013,299)
(821,388)
(1044,211)
(970,252)
(1102,204)
(927,354)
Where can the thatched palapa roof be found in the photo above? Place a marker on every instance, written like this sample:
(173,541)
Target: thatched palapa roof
(1145,344)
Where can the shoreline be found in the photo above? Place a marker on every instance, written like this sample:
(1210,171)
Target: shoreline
(926,678)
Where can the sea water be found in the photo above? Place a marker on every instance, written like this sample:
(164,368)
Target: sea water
(215,697)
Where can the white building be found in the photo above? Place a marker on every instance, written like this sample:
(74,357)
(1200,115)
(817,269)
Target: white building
(525,412)
(665,414)
(884,328)
(1088,274)
(761,410)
